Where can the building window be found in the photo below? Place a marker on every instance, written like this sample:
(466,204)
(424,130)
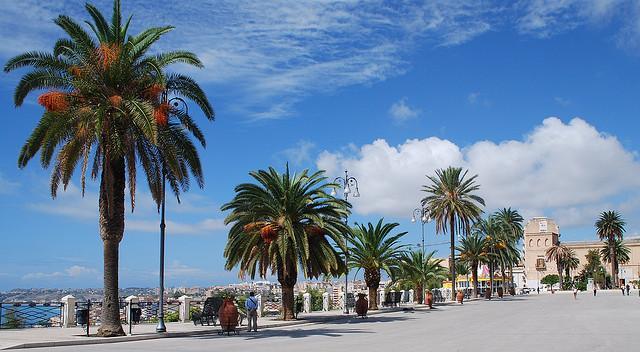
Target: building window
(538,243)
(530,243)
(546,242)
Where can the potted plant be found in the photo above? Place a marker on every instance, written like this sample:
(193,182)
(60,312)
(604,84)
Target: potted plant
(460,296)
(228,314)
(362,305)
(500,292)
(429,299)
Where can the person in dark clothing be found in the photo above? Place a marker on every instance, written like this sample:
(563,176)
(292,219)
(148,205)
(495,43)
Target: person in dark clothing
(594,291)
(622,289)
(628,289)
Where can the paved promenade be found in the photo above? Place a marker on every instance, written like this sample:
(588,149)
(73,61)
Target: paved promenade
(545,322)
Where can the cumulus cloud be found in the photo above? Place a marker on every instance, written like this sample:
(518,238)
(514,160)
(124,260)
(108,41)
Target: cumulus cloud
(558,168)
(7,186)
(70,272)
(73,205)
(400,111)
(298,154)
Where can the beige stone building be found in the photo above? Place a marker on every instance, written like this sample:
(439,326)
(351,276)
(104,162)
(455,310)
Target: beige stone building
(540,233)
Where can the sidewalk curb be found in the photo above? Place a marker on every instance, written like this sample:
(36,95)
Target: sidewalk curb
(155,336)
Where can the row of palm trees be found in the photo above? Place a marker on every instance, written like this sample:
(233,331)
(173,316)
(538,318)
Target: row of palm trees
(610,228)
(493,241)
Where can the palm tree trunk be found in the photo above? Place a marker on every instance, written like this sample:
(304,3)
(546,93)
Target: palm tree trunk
(452,260)
(287,281)
(420,293)
(614,259)
(474,275)
(111,209)
(372,279)
(491,278)
(559,276)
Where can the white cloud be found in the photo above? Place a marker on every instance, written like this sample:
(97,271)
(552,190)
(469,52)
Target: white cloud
(145,218)
(562,101)
(206,226)
(70,272)
(182,271)
(558,168)
(7,186)
(401,112)
(298,154)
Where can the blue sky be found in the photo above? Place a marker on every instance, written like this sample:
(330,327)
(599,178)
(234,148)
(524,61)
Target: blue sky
(539,98)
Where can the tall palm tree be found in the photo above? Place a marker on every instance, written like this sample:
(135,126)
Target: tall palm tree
(284,223)
(494,239)
(558,253)
(512,221)
(418,269)
(473,251)
(453,204)
(622,253)
(375,249)
(104,110)
(610,227)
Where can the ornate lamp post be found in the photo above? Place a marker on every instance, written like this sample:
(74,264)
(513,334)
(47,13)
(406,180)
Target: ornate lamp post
(423,215)
(178,105)
(349,184)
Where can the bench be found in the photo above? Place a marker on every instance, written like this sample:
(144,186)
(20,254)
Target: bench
(209,314)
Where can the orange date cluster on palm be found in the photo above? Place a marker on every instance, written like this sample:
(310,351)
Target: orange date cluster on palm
(154,91)
(269,233)
(54,101)
(314,230)
(115,100)
(161,114)
(108,54)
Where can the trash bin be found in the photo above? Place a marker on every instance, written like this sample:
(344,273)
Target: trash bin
(82,316)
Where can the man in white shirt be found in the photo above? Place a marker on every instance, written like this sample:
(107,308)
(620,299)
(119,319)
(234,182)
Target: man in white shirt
(252,312)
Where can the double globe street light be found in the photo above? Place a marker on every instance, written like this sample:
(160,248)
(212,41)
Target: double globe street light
(423,215)
(349,184)
(178,106)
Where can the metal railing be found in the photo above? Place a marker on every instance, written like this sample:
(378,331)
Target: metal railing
(16,315)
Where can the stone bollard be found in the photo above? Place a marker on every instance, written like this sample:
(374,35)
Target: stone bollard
(402,293)
(380,297)
(68,311)
(411,296)
(343,300)
(185,308)
(260,305)
(325,302)
(130,300)
(306,304)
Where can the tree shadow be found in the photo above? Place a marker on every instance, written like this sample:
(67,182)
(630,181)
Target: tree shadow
(291,333)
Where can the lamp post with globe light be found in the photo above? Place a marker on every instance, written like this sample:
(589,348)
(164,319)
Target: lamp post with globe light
(178,106)
(349,185)
(423,215)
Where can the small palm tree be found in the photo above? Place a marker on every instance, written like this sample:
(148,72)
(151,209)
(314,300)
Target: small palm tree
(105,109)
(512,221)
(462,268)
(492,232)
(418,269)
(610,227)
(558,253)
(453,204)
(284,222)
(571,262)
(622,253)
(375,249)
(473,251)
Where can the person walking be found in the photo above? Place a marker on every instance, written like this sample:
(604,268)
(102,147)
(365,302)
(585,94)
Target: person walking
(575,292)
(622,289)
(594,290)
(628,289)
(252,312)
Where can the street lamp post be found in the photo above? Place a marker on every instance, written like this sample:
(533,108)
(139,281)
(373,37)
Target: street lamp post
(349,184)
(423,214)
(178,105)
